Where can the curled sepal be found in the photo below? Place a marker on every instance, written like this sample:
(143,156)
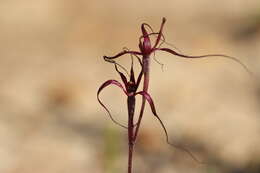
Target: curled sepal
(105,84)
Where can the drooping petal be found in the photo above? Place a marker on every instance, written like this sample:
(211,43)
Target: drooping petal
(105,84)
(150,101)
(206,56)
(188,56)
(111,82)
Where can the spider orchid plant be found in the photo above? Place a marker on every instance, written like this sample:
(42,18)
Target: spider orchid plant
(147,47)
(129,88)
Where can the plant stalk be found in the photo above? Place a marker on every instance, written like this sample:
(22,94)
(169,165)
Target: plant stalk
(146,71)
(131,111)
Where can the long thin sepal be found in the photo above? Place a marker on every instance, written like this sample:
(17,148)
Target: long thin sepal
(108,58)
(105,84)
(150,101)
(206,56)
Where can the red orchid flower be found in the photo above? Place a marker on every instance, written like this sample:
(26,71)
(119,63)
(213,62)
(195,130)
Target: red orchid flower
(146,49)
(130,89)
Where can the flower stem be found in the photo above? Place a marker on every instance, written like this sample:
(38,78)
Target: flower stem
(131,110)
(146,71)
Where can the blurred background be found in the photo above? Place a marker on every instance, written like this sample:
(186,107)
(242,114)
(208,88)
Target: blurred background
(51,66)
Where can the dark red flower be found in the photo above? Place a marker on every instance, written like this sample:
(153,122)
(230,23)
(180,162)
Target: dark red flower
(129,87)
(146,48)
